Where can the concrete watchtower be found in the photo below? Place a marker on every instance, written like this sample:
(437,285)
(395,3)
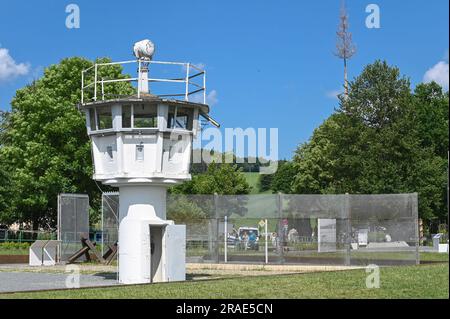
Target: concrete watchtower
(142,144)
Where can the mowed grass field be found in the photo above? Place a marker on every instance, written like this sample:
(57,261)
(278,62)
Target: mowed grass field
(424,281)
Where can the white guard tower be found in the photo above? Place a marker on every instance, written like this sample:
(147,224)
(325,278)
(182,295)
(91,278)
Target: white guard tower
(142,145)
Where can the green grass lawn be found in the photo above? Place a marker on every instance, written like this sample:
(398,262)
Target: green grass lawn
(253,181)
(434,257)
(426,281)
(14,248)
(14,251)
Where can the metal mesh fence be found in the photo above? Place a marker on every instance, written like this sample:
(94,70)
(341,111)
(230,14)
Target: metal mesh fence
(384,228)
(278,228)
(110,220)
(24,236)
(73,223)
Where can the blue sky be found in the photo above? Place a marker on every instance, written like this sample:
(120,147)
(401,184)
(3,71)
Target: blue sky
(270,63)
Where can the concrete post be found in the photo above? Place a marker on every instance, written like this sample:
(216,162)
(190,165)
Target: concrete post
(348,237)
(280,234)
(415,215)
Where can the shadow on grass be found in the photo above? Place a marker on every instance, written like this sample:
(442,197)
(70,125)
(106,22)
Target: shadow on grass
(113,276)
(107,275)
(196,276)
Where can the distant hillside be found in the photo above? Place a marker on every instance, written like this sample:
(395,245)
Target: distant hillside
(253,181)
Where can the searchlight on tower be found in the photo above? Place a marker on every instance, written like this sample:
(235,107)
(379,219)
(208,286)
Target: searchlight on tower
(143,51)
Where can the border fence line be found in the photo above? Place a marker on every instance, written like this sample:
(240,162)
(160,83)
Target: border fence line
(264,228)
(25,236)
(291,229)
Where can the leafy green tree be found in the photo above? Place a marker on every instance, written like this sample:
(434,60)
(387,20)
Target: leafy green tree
(431,115)
(45,147)
(5,179)
(223,179)
(314,162)
(283,178)
(375,143)
(265,180)
(378,97)
(183,210)
(5,193)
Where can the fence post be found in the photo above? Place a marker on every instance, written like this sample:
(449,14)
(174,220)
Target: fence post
(58,229)
(415,214)
(225,236)
(280,234)
(348,238)
(216,228)
(266,250)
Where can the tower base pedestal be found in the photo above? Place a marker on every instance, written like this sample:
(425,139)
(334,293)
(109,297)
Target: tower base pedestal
(151,248)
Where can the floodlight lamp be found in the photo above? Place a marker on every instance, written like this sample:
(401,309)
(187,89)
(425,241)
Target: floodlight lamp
(144,49)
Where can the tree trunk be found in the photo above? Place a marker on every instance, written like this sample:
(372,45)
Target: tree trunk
(35,223)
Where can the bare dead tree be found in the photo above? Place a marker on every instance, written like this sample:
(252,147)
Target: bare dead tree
(345,48)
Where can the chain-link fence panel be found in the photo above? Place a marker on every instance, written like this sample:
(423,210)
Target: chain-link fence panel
(110,221)
(384,229)
(290,229)
(73,223)
(241,232)
(197,213)
(313,229)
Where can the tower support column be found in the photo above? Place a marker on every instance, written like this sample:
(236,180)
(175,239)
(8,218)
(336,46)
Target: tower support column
(139,208)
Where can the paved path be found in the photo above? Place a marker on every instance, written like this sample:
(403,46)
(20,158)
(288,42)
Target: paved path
(24,281)
(21,277)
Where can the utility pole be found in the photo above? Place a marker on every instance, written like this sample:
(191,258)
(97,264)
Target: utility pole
(345,48)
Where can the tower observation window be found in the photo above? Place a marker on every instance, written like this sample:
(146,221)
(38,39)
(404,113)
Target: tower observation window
(178,118)
(92,119)
(104,118)
(126,116)
(145,116)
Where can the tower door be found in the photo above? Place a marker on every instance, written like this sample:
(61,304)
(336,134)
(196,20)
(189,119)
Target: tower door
(156,267)
(175,252)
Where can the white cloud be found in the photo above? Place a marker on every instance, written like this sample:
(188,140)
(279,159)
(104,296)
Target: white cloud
(439,74)
(211,98)
(9,69)
(333,94)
